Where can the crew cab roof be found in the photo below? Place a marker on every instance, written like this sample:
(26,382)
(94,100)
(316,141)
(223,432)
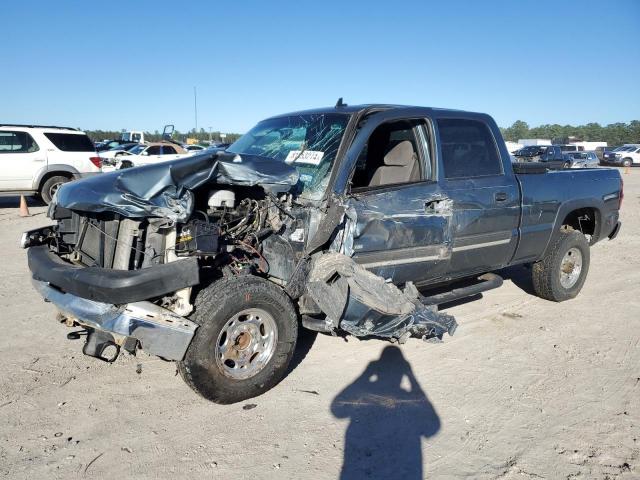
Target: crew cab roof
(351,109)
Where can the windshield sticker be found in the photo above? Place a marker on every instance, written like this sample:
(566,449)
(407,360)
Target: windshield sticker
(310,157)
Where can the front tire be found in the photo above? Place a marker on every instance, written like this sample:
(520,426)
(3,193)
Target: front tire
(245,341)
(50,187)
(560,275)
(626,162)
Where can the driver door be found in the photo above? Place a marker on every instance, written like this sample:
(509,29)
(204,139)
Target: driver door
(402,221)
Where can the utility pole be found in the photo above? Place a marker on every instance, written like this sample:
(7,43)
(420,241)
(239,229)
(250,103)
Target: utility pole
(195,107)
(209,135)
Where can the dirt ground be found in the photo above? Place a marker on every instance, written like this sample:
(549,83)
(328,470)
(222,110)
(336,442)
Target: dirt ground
(525,389)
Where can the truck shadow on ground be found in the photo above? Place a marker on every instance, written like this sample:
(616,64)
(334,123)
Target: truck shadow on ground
(390,414)
(520,276)
(306,339)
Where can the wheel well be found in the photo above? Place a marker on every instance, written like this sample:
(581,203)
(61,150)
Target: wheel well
(585,220)
(48,175)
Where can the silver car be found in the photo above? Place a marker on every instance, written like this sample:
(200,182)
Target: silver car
(583,159)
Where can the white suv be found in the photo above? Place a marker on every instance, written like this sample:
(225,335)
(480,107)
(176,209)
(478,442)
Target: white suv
(36,160)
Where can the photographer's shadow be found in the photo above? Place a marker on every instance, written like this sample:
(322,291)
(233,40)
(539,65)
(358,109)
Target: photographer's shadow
(388,420)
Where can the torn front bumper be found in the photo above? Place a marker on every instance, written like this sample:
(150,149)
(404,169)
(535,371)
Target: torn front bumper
(159,331)
(112,286)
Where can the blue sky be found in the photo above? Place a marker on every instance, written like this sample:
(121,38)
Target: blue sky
(133,64)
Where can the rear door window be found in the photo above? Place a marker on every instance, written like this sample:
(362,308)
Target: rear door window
(17,142)
(71,142)
(154,150)
(168,150)
(468,149)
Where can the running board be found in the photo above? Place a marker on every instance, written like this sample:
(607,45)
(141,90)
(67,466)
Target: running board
(488,281)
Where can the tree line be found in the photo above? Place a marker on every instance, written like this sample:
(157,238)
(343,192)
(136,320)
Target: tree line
(156,136)
(614,134)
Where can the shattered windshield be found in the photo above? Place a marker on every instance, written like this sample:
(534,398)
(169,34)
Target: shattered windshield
(308,142)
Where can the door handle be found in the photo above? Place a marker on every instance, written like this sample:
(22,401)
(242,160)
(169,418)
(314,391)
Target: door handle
(500,196)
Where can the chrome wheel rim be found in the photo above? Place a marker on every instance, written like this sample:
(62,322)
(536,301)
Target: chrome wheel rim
(246,343)
(54,188)
(570,268)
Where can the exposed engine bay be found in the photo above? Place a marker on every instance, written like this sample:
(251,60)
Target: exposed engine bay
(236,226)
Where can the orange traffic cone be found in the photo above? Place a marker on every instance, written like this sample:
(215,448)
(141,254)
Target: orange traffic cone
(24,208)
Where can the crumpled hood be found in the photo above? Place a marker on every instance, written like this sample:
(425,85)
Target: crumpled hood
(165,189)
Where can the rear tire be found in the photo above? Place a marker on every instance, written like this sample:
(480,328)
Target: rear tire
(560,275)
(238,316)
(50,186)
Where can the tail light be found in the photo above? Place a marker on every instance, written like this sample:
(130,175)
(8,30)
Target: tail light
(97,161)
(621,193)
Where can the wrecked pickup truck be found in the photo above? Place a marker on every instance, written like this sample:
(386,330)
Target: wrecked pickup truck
(328,219)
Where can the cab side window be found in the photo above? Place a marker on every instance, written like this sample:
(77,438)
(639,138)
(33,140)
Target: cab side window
(468,149)
(17,142)
(392,155)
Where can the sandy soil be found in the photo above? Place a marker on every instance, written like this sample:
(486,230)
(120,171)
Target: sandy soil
(525,388)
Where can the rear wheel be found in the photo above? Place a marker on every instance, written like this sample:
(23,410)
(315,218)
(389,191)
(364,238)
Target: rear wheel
(562,272)
(50,187)
(245,341)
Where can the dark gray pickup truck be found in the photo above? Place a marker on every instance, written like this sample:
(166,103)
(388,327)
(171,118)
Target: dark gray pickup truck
(337,219)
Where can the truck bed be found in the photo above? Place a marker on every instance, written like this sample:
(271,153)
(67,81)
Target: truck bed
(549,196)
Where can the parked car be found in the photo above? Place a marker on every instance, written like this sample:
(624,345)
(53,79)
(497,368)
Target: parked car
(194,148)
(327,219)
(114,152)
(600,151)
(111,144)
(571,148)
(133,136)
(150,153)
(583,159)
(551,156)
(219,145)
(36,160)
(624,156)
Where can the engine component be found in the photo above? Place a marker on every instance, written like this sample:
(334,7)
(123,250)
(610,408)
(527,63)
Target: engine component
(222,198)
(198,238)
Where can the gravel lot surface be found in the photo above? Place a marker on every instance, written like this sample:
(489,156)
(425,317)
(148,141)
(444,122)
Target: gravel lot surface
(525,389)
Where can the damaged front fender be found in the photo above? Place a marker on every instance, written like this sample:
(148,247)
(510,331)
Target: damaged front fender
(165,189)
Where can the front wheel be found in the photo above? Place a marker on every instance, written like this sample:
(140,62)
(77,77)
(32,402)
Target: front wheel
(562,272)
(626,162)
(245,340)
